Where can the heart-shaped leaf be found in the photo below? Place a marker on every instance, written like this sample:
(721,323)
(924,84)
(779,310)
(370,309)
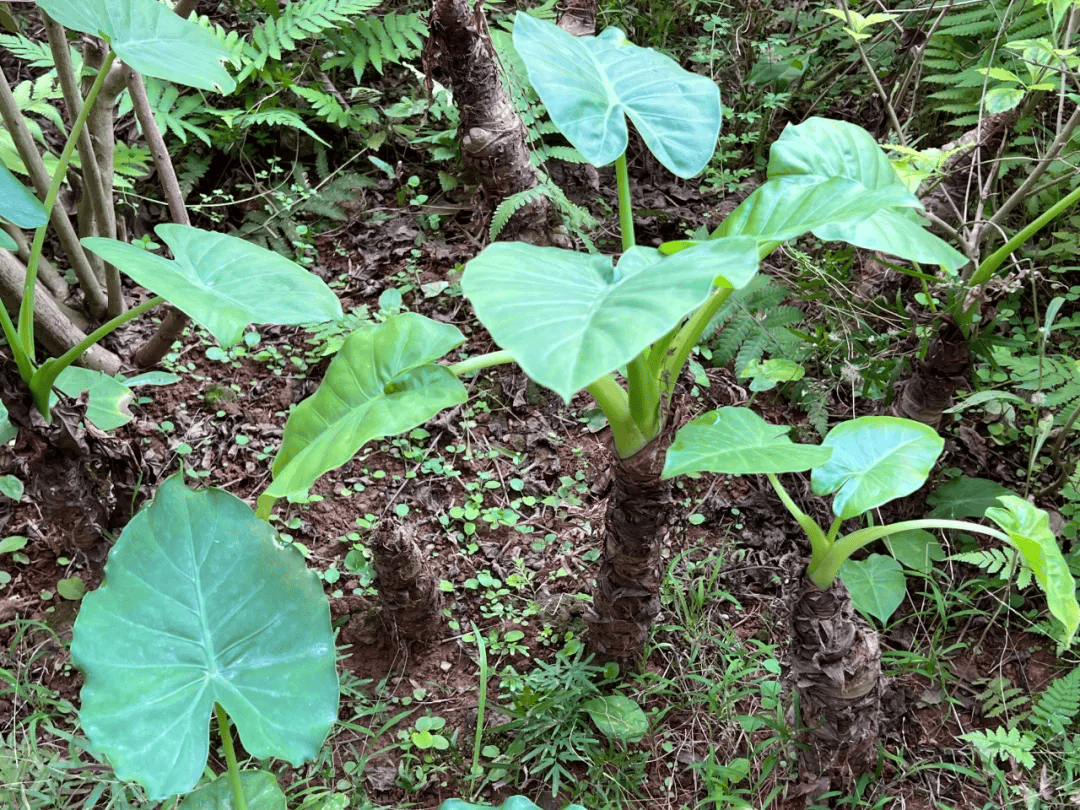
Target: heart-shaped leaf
(916,548)
(1029,530)
(617,717)
(513,803)
(876,584)
(201,605)
(380,383)
(736,441)
(260,789)
(569,318)
(223,282)
(964,498)
(107,397)
(150,38)
(18,204)
(875,459)
(831,178)
(590,84)
(7,430)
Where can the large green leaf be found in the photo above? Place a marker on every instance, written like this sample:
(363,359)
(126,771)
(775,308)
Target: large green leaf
(18,204)
(260,790)
(107,397)
(617,717)
(830,178)
(916,548)
(1029,530)
(223,282)
(875,459)
(569,318)
(589,84)
(201,605)
(150,38)
(876,584)
(964,498)
(380,383)
(736,441)
(513,803)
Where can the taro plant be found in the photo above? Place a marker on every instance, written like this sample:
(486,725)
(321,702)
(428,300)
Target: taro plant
(863,463)
(204,614)
(210,277)
(620,331)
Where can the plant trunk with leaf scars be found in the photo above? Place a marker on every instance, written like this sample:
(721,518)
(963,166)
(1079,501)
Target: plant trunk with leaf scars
(578,17)
(493,137)
(928,392)
(408,589)
(835,660)
(626,600)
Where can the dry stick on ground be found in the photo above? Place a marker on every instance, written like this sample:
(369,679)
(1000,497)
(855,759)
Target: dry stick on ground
(493,137)
(47,274)
(408,589)
(53,328)
(69,240)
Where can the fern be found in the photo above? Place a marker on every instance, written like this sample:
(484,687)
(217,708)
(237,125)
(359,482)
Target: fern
(1001,697)
(299,20)
(1059,703)
(970,39)
(37,54)
(377,41)
(273,117)
(330,110)
(754,321)
(1003,743)
(180,115)
(39,97)
(995,561)
(510,206)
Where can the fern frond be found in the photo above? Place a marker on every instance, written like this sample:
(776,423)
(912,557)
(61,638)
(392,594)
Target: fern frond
(36,54)
(991,560)
(510,206)
(275,117)
(1003,743)
(299,20)
(1001,697)
(375,41)
(1059,703)
(330,110)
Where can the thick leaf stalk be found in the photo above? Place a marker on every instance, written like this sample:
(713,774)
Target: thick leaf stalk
(835,659)
(626,600)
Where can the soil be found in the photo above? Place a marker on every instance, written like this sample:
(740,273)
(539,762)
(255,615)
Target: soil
(222,420)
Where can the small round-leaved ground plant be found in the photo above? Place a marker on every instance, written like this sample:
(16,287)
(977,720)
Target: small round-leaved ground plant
(863,463)
(619,330)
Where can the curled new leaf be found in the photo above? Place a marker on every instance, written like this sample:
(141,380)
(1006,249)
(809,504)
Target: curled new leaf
(875,459)
(1029,530)
(736,441)
(383,381)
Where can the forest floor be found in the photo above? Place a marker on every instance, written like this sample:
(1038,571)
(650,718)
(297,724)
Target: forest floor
(506,495)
